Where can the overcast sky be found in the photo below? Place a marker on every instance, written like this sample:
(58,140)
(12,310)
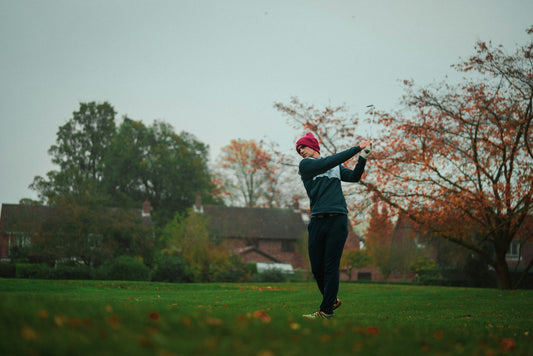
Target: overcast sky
(214,68)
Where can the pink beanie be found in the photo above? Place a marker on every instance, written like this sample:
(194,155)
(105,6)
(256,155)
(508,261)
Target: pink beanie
(308,140)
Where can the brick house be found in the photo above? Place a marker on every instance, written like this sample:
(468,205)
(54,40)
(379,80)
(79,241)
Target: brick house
(19,222)
(259,234)
(519,257)
(269,235)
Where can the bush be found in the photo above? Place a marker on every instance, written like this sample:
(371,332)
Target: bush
(252,266)
(474,273)
(273,276)
(301,275)
(19,253)
(7,270)
(172,269)
(426,271)
(234,271)
(33,270)
(72,270)
(124,268)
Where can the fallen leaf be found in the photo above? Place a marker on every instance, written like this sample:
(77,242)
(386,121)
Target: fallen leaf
(144,341)
(438,335)
(508,344)
(265,353)
(28,333)
(43,313)
(186,321)
(214,321)
(325,338)
(114,321)
(262,315)
(372,330)
(59,320)
(154,316)
(294,326)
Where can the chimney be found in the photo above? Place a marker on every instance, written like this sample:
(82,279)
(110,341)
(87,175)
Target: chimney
(197,207)
(146,209)
(296,203)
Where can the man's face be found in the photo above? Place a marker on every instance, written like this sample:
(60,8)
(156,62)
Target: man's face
(306,151)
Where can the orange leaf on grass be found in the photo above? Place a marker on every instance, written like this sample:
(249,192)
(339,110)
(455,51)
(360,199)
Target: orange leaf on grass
(262,315)
(186,321)
(325,338)
(214,321)
(508,344)
(154,316)
(75,322)
(294,326)
(265,353)
(28,333)
(60,319)
(372,330)
(144,341)
(114,321)
(438,335)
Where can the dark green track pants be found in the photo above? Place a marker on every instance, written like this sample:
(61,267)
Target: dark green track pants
(327,236)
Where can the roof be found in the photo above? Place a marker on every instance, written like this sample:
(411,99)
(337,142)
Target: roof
(28,218)
(248,249)
(263,223)
(16,217)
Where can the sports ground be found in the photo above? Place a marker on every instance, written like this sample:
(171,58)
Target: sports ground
(43,317)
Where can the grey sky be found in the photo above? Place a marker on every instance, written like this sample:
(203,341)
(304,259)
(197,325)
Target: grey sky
(214,68)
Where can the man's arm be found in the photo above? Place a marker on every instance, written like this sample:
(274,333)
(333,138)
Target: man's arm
(348,175)
(312,167)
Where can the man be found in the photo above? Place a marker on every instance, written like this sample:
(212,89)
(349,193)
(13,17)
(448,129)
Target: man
(328,228)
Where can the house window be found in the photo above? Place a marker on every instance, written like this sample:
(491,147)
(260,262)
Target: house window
(364,276)
(287,246)
(514,250)
(419,243)
(19,240)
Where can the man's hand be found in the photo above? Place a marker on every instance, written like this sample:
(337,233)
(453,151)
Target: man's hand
(366,152)
(365,144)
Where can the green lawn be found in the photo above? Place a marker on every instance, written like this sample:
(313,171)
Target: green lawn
(41,317)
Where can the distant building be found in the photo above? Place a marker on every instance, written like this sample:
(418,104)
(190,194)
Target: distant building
(259,234)
(269,235)
(20,223)
(520,253)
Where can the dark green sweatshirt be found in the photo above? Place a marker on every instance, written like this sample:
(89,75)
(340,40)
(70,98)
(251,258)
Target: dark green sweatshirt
(322,180)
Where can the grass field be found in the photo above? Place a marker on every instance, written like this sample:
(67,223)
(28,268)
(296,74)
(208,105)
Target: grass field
(42,317)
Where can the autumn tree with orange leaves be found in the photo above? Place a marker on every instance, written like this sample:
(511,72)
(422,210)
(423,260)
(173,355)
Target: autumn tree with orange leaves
(334,127)
(248,174)
(459,162)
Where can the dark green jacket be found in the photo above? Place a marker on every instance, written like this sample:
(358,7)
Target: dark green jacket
(322,180)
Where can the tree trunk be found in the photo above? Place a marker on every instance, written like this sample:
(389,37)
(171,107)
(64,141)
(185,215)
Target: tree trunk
(502,272)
